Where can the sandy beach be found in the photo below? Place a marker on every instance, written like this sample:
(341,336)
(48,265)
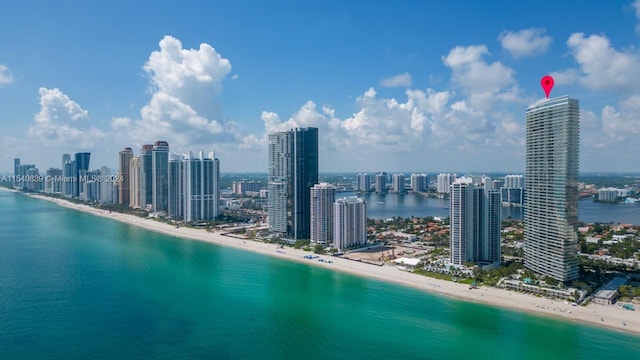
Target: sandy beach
(612,316)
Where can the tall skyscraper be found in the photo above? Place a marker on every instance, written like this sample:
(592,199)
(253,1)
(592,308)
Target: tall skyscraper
(16,164)
(124,185)
(194,190)
(349,223)
(146,176)
(381,183)
(82,166)
(397,183)
(444,182)
(363,182)
(551,188)
(418,182)
(134,182)
(106,187)
(513,190)
(176,183)
(70,181)
(160,176)
(474,223)
(292,171)
(323,196)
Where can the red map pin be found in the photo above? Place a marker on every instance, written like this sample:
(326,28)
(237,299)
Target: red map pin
(547,84)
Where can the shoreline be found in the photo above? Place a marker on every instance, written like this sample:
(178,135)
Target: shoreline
(605,316)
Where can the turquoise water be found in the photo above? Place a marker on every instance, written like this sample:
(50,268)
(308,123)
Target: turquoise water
(76,286)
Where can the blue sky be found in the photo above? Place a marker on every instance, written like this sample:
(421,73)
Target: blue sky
(393,86)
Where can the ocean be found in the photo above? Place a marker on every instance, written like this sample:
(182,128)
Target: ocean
(77,286)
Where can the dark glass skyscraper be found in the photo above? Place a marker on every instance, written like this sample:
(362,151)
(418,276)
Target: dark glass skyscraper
(82,166)
(292,172)
(146,176)
(160,176)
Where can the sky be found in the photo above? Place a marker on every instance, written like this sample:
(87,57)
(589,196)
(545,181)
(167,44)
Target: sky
(425,86)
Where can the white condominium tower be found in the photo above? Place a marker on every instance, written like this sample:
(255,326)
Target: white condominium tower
(551,188)
(323,196)
(475,223)
(193,187)
(349,222)
(444,182)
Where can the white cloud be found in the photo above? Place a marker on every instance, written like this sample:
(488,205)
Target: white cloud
(62,121)
(5,75)
(184,84)
(602,67)
(527,42)
(400,80)
(485,83)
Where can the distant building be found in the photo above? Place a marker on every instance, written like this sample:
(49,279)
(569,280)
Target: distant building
(124,187)
(70,181)
(418,183)
(444,182)
(474,223)
(551,187)
(194,193)
(107,188)
(350,223)
(323,196)
(242,187)
(160,176)
(146,176)
(363,182)
(53,181)
(82,164)
(134,182)
(512,191)
(608,194)
(381,183)
(397,183)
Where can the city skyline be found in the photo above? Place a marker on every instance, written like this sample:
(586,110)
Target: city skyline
(411,101)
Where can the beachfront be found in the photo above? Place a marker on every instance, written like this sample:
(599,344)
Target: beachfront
(601,315)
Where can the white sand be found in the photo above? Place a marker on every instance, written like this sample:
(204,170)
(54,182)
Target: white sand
(612,316)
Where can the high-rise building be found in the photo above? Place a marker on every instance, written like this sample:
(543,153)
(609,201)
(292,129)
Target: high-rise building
(16,164)
(381,183)
(124,186)
(551,188)
(323,196)
(418,183)
(146,176)
(201,189)
(349,223)
(134,182)
(82,165)
(176,183)
(363,182)
(444,182)
(397,183)
(70,181)
(160,176)
(292,171)
(474,223)
(53,181)
(107,187)
(513,190)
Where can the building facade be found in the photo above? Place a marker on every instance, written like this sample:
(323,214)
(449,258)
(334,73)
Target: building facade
(160,177)
(444,182)
(418,183)
(134,182)
(381,183)
(292,171)
(323,196)
(349,223)
(397,183)
(551,188)
(474,223)
(124,169)
(146,176)
(363,182)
